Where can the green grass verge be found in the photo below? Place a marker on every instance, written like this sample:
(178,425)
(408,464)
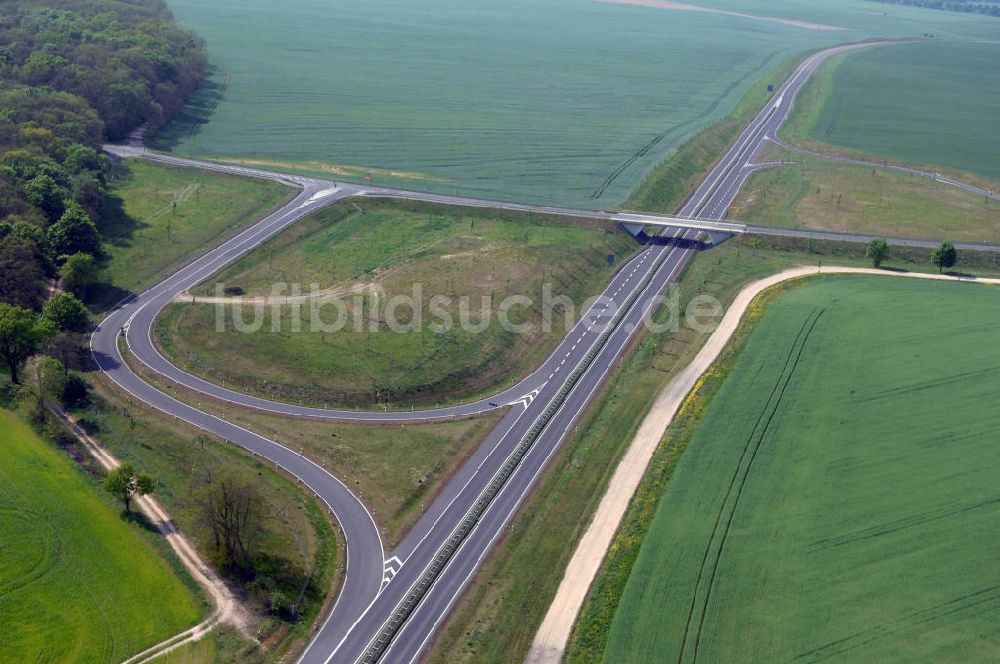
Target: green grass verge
(202,651)
(397,469)
(389,248)
(165,216)
(77,582)
(298,543)
(818,193)
(834,497)
(922,103)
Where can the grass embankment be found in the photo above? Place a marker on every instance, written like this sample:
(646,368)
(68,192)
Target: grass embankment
(922,103)
(847,466)
(167,216)
(498,616)
(372,251)
(821,194)
(297,550)
(77,581)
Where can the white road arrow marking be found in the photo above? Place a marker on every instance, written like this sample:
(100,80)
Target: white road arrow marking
(319,195)
(527,398)
(390,569)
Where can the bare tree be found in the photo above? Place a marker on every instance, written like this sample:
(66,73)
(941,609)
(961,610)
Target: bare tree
(231,508)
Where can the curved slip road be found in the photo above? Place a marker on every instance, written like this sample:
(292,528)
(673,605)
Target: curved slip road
(374,585)
(364,546)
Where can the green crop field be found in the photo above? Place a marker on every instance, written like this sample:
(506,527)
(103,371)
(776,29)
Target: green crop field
(77,583)
(381,250)
(929,103)
(553,101)
(839,497)
(169,215)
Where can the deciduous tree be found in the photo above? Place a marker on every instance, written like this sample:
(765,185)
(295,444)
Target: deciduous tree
(46,381)
(75,233)
(877,251)
(233,512)
(20,336)
(66,313)
(22,279)
(125,484)
(944,256)
(78,273)
(46,194)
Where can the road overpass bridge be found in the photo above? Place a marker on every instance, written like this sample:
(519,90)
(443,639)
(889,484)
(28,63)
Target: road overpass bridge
(717,231)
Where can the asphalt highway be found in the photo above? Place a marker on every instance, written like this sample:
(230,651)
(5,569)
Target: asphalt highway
(376,582)
(662,262)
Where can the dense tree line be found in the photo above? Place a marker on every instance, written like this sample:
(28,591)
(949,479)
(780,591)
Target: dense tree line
(81,69)
(73,74)
(988,7)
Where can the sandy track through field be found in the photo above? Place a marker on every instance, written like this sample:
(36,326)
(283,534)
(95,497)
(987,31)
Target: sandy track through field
(550,641)
(228,609)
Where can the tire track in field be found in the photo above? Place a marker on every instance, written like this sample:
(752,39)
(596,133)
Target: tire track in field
(738,481)
(41,565)
(656,140)
(746,474)
(952,332)
(932,384)
(647,148)
(974,600)
(900,524)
